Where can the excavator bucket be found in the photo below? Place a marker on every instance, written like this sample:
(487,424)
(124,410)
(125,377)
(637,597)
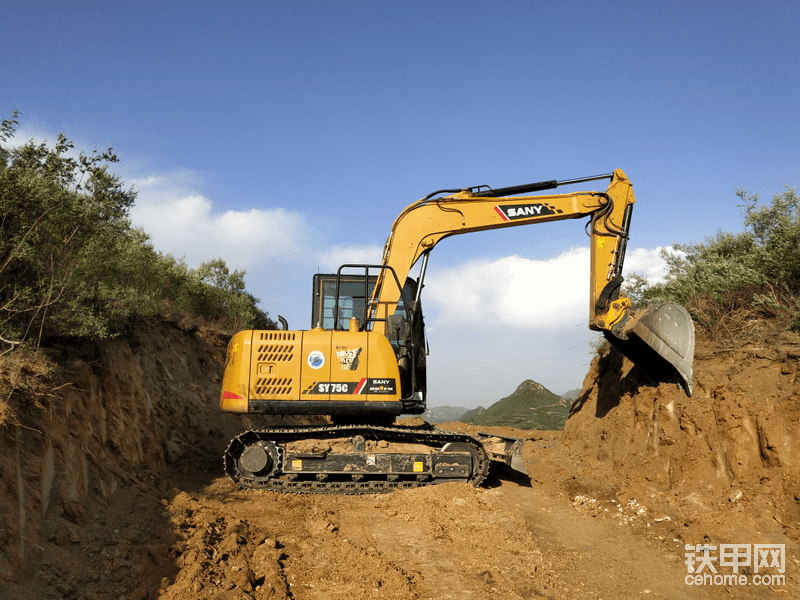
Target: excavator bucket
(660,340)
(504,449)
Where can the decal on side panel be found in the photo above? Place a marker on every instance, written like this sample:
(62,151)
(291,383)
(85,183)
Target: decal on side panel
(367,385)
(315,359)
(348,359)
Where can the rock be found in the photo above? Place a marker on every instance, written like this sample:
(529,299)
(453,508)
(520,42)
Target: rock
(243,579)
(140,593)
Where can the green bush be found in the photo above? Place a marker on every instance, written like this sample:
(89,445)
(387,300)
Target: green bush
(72,265)
(759,267)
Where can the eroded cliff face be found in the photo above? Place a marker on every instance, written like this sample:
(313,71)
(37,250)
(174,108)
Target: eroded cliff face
(124,409)
(731,452)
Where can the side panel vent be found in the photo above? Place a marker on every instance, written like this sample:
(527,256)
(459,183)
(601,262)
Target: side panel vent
(275,353)
(273,386)
(278,336)
(275,373)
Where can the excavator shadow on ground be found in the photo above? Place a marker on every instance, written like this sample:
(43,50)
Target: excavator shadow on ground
(500,473)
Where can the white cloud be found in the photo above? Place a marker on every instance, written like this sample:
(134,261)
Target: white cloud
(512,291)
(186,225)
(149,181)
(32,133)
(182,222)
(647,263)
(512,319)
(332,258)
(519,292)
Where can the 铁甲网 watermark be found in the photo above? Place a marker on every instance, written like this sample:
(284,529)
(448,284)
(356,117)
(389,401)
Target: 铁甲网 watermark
(761,564)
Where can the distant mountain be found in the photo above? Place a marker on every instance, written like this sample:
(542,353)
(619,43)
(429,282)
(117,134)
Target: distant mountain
(471,414)
(531,406)
(440,414)
(571,395)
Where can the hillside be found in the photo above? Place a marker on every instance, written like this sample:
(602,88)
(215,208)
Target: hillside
(530,406)
(440,414)
(571,394)
(471,414)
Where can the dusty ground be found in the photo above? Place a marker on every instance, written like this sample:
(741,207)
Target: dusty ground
(121,502)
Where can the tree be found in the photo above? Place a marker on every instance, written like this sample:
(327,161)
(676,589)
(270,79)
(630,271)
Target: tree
(634,287)
(52,207)
(736,269)
(234,298)
(775,230)
(216,273)
(71,264)
(768,250)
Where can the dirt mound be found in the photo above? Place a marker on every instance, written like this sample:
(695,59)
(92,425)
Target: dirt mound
(722,466)
(275,546)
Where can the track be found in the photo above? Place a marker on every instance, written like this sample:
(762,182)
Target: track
(264,459)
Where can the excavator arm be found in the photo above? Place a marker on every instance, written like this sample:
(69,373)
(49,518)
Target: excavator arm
(660,339)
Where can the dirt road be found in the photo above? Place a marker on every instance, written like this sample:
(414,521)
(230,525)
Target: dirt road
(449,541)
(201,537)
(207,539)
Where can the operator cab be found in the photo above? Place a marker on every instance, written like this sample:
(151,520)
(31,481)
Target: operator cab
(406,331)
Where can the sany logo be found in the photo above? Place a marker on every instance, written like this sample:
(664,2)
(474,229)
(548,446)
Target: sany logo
(522,211)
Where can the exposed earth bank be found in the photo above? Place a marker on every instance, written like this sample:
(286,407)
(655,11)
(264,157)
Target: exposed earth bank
(113,488)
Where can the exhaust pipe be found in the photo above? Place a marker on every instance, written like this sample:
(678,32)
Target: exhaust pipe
(660,340)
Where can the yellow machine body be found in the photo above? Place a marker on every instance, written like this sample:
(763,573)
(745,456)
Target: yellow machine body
(311,372)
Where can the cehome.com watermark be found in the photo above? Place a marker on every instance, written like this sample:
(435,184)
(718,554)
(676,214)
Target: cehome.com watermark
(761,564)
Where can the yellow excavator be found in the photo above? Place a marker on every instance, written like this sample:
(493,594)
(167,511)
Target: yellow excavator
(363,362)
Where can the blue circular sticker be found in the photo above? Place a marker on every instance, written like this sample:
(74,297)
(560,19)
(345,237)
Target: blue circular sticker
(316,359)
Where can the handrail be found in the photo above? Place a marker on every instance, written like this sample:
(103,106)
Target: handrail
(367,305)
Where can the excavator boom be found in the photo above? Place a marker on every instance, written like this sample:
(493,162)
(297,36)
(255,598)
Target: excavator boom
(660,339)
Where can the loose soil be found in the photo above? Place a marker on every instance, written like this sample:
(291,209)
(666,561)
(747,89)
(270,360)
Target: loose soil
(114,489)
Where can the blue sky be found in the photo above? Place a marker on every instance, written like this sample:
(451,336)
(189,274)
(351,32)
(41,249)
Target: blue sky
(285,137)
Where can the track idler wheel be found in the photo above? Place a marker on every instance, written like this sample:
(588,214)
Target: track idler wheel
(251,458)
(479,460)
